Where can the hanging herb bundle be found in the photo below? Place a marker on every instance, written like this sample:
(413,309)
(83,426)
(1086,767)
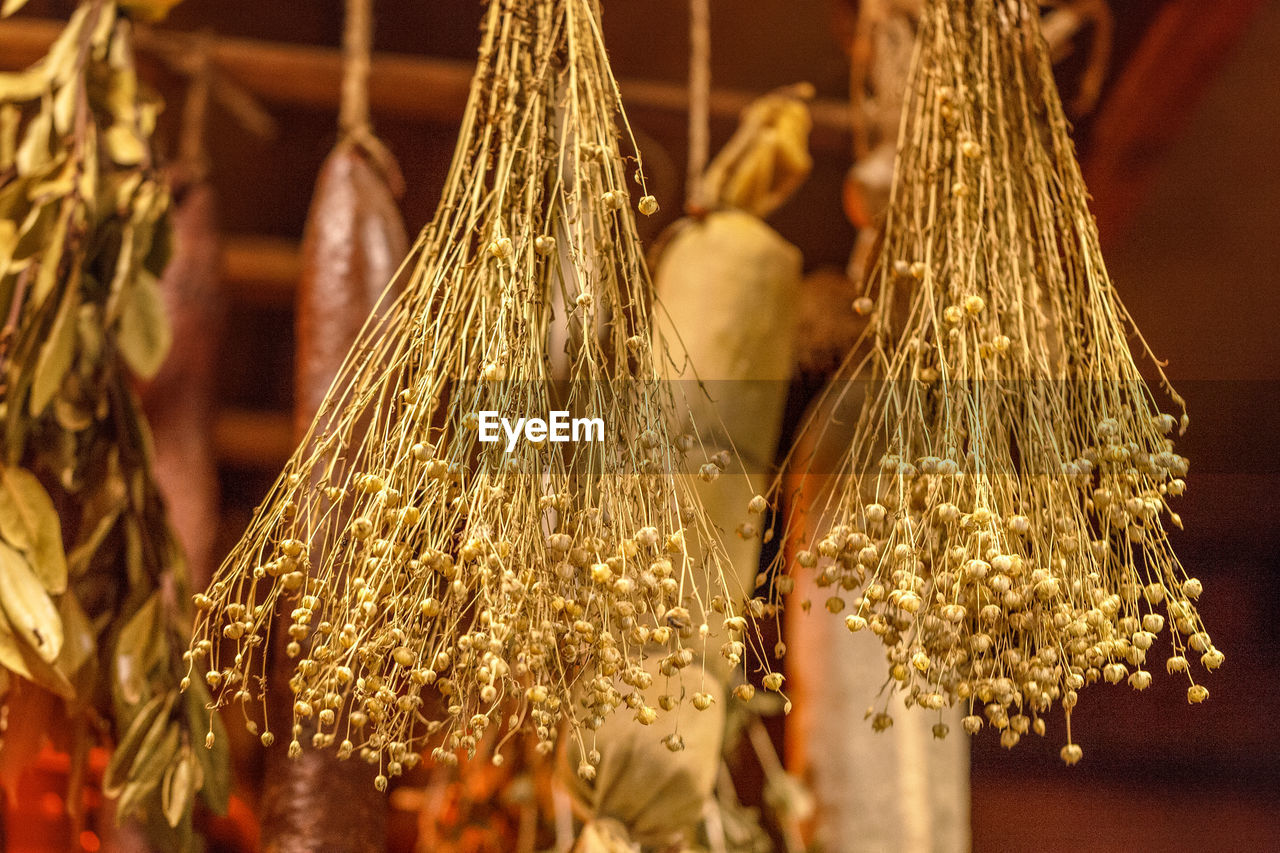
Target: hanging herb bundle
(90,606)
(1008,484)
(440,587)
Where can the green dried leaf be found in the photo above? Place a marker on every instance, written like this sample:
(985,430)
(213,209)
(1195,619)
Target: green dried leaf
(122,96)
(11,657)
(87,187)
(151,715)
(64,108)
(179,787)
(29,522)
(19,86)
(11,6)
(17,657)
(57,352)
(10,121)
(108,25)
(150,201)
(215,763)
(8,242)
(148,768)
(34,231)
(60,62)
(34,150)
(80,556)
(80,640)
(7,282)
(99,515)
(149,10)
(50,262)
(71,416)
(52,184)
(161,248)
(145,334)
(135,563)
(156,751)
(121,187)
(92,333)
(31,612)
(122,275)
(123,145)
(13,200)
(137,650)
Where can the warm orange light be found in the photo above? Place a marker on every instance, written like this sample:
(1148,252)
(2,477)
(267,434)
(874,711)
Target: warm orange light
(50,804)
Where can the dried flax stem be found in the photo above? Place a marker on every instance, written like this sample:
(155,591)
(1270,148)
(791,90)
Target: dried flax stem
(1002,526)
(438,587)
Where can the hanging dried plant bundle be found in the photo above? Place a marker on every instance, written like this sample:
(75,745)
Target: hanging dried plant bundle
(91,604)
(1009,478)
(439,586)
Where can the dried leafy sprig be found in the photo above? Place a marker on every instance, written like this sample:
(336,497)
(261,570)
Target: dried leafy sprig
(439,588)
(83,236)
(1003,525)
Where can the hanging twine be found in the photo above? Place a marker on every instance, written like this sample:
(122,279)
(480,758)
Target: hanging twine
(357,44)
(353,109)
(870,14)
(699,99)
(195,57)
(192,154)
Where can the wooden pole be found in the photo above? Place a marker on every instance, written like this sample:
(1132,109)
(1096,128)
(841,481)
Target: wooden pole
(415,87)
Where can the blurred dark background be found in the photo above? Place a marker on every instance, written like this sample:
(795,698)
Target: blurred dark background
(1180,155)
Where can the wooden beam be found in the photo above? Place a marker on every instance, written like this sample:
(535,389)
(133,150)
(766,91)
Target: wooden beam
(408,86)
(260,272)
(252,439)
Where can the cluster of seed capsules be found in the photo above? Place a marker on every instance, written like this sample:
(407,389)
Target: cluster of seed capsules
(1009,614)
(1000,521)
(440,638)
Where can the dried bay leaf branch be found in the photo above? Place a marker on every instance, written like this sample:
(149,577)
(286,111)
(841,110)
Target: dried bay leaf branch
(92,577)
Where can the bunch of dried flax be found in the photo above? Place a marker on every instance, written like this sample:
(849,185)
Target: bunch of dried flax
(1002,527)
(440,588)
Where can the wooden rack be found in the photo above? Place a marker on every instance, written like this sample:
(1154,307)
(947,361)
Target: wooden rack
(262,272)
(309,76)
